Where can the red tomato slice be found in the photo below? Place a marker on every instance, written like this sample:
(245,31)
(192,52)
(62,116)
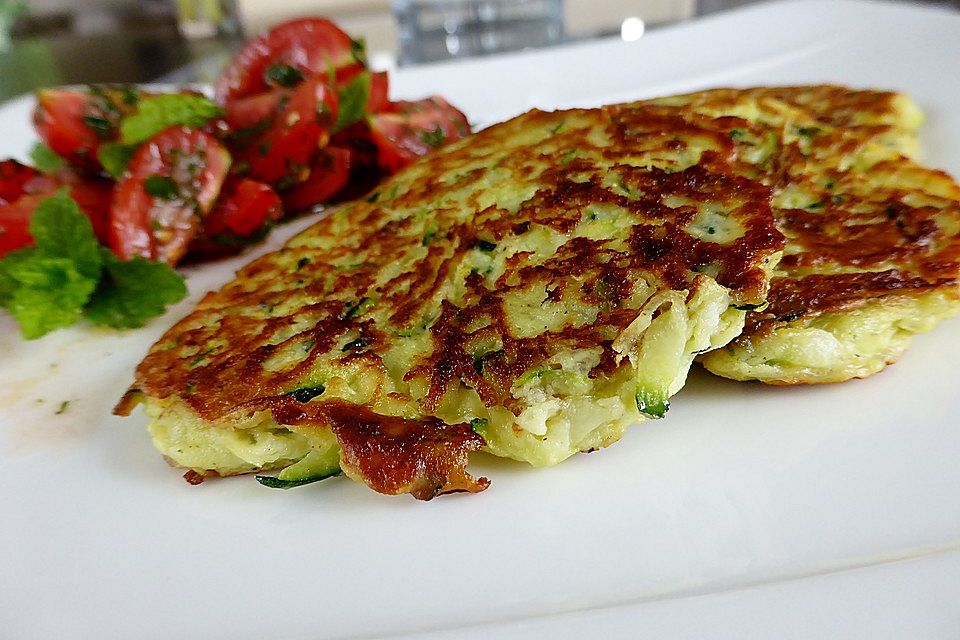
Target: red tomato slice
(92,196)
(308,45)
(15,178)
(15,223)
(379,93)
(243,208)
(379,99)
(414,129)
(244,211)
(328,176)
(357,138)
(250,111)
(75,123)
(281,155)
(171,182)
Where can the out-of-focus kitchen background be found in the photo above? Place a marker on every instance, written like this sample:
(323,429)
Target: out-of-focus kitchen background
(48,42)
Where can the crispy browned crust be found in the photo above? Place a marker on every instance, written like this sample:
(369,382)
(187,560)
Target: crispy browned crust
(392,455)
(796,299)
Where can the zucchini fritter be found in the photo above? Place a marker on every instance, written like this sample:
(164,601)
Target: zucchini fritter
(532,290)
(873,238)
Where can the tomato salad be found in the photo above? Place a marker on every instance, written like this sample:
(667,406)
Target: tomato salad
(297,120)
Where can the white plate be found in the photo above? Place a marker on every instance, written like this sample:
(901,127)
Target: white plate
(728,519)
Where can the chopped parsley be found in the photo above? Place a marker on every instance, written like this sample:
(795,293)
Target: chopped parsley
(353,101)
(162,187)
(358,49)
(46,159)
(100,125)
(283,75)
(433,138)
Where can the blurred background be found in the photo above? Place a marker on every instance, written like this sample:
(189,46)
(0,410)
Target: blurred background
(47,42)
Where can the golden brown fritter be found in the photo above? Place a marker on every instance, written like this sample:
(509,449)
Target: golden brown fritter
(537,288)
(873,238)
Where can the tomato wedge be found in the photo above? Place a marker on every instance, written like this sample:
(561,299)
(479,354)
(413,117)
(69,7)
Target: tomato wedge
(329,174)
(92,196)
(284,55)
(75,123)
(281,155)
(242,210)
(14,180)
(171,182)
(414,129)
(378,99)
(243,213)
(243,113)
(15,223)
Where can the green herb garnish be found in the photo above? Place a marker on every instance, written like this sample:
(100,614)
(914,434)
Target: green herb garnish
(100,125)
(68,275)
(283,75)
(358,49)
(434,138)
(153,115)
(162,187)
(46,159)
(353,101)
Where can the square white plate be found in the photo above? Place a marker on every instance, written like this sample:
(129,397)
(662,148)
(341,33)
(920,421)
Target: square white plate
(730,518)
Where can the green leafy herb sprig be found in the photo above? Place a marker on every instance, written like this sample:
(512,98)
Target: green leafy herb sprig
(68,274)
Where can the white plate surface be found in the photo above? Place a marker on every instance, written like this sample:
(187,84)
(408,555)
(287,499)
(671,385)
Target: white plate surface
(750,511)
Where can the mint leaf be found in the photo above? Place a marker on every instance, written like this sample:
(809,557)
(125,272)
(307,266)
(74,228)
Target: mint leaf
(51,294)
(133,291)
(115,157)
(67,274)
(9,284)
(353,101)
(156,113)
(60,230)
(46,159)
